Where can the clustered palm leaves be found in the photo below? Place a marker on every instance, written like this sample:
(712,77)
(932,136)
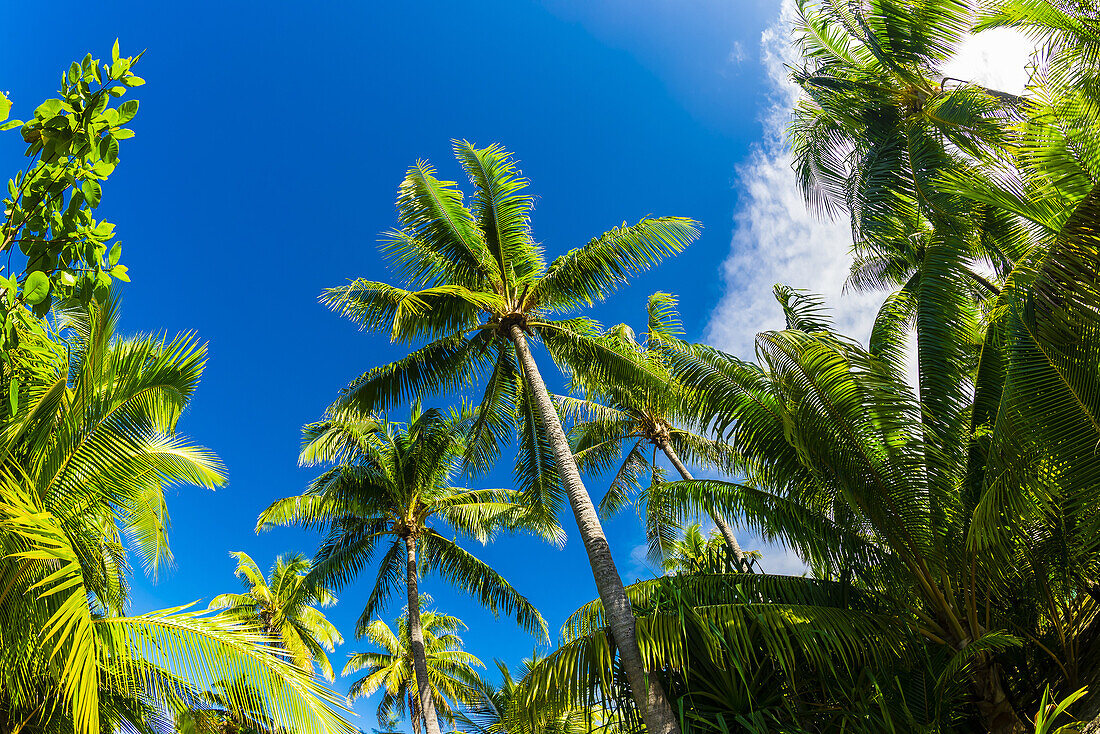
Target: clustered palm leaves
(616,420)
(84,464)
(392,482)
(950,526)
(452,672)
(285,608)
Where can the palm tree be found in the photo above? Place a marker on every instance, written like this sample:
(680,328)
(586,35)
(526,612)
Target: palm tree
(617,420)
(390,482)
(878,132)
(84,464)
(983,553)
(285,609)
(452,672)
(695,553)
(476,286)
(502,709)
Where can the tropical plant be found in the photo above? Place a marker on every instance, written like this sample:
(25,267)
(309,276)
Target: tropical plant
(391,482)
(452,672)
(72,147)
(476,287)
(694,553)
(83,469)
(285,608)
(840,468)
(878,133)
(617,423)
(737,651)
(502,709)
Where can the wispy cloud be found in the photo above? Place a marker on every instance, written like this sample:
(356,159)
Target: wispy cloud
(737,54)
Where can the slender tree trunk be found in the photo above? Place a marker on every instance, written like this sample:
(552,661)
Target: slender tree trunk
(648,694)
(997,712)
(723,526)
(414,710)
(416,642)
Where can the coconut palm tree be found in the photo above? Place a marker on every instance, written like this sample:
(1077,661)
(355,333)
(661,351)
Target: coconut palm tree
(617,421)
(285,608)
(878,133)
(452,672)
(476,287)
(392,482)
(840,468)
(84,464)
(695,553)
(502,709)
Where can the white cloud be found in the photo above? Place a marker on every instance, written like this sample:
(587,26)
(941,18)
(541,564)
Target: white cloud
(996,59)
(737,54)
(775,239)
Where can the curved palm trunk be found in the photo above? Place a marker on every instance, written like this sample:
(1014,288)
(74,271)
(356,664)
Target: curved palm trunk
(719,521)
(416,641)
(646,689)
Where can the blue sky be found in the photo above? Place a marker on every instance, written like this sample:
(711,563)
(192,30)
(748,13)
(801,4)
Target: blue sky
(270,142)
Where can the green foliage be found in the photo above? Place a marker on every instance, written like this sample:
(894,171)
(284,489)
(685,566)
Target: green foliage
(471,273)
(49,211)
(452,671)
(391,482)
(284,607)
(84,464)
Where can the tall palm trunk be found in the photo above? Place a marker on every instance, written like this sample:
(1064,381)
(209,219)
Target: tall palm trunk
(993,705)
(414,710)
(646,689)
(416,641)
(719,521)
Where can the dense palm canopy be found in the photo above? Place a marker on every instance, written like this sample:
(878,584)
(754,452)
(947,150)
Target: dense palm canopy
(948,511)
(285,608)
(957,517)
(83,468)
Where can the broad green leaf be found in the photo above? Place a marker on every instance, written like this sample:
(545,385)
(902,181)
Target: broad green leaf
(93,192)
(108,149)
(116,253)
(48,109)
(36,287)
(126,111)
(5,106)
(13,395)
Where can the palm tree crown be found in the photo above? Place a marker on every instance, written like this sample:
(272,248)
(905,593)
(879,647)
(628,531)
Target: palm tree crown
(618,422)
(284,607)
(452,671)
(392,481)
